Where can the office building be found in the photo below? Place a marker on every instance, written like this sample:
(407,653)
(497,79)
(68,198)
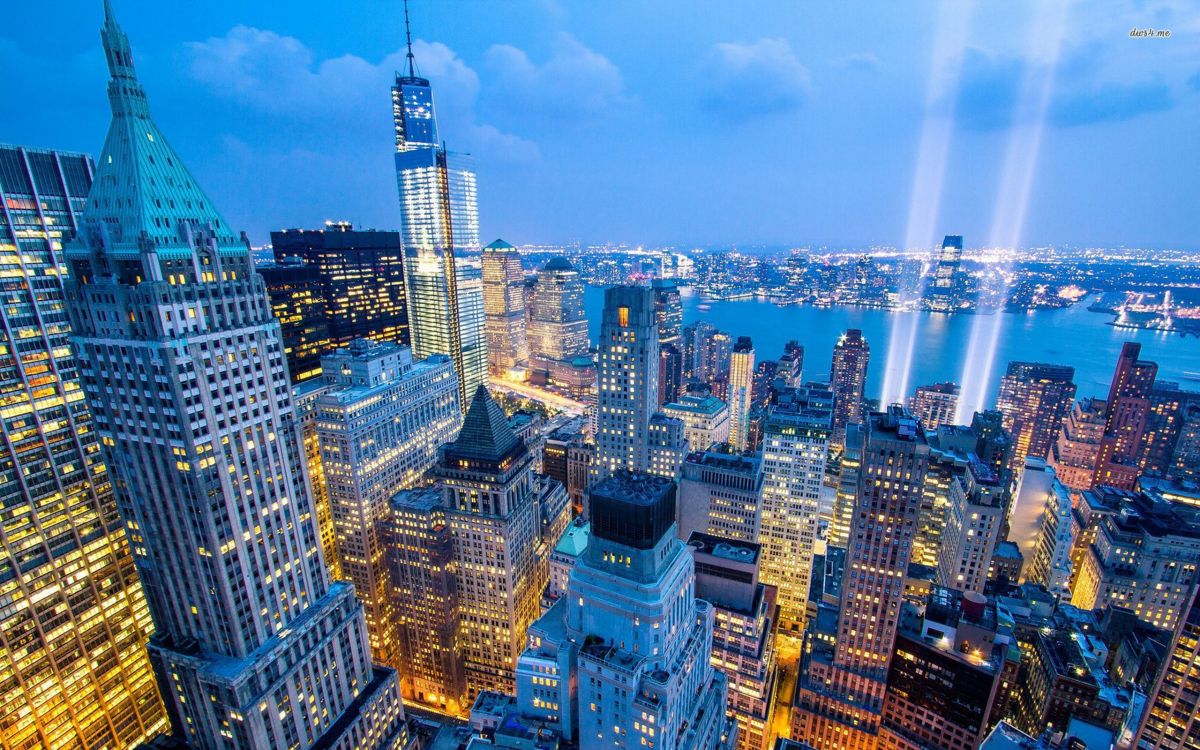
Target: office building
(668,310)
(353,278)
(1126,419)
(209,467)
(666,445)
(743,646)
(558,328)
(623,660)
(1048,564)
(934,405)
(306,395)
(439,218)
(848,464)
(504,309)
(379,424)
(840,696)
(741,382)
(1035,399)
(1171,716)
(974,516)
(1075,453)
(847,380)
(627,394)
(74,628)
(566,553)
(670,373)
(495,516)
(298,302)
(1171,432)
(795,445)
(945,292)
(719,494)
(705,419)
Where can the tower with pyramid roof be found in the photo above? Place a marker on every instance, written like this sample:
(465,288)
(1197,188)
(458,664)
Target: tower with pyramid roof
(183,366)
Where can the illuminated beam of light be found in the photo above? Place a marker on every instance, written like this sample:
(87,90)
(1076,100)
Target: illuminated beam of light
(1012,200)
(949,42)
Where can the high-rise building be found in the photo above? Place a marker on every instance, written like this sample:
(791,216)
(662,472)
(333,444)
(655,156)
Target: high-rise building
(741,382)
(1126,418)
(504,308)
(973,519)
(705,420)
(719,493)
(439,215)
(298,302)
(1046,560)
(1077,449)
(627,394)
(847,380)
(75,624)
(1173,414)
(354,278)
(743,630)
(306,395)
(1172,712)
(1034,398)
(934,405)
(839,700)
(795,445)
(622,661)
(670,373)
(494,511)
(717,355)
(945,291)
(695,345)
(183,366)
(848,465)
(558,328)
(666,445)
(379,425)
(668,311)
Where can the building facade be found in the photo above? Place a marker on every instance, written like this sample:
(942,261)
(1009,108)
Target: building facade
(504,309)
(1126,419)
(741,382)
(720,494)
(1035,398)
(847,380)
(1172,710)
(934,405)
(627,392)
(298,302)
(705,419)
(1076,452)
(558,328)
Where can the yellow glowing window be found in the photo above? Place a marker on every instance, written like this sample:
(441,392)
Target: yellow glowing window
(623,317)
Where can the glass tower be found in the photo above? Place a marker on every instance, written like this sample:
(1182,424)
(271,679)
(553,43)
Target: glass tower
(182,363)
(440,223)
(74,624)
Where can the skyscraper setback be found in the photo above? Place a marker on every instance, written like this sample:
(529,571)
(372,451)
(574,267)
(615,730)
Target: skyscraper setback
(627,394)
(75,623)
(1034,398)
(847,380)
(1125,418)
(185,373)
(440,222)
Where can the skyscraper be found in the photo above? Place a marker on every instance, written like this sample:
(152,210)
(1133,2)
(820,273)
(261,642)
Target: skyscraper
(630,636)
(705,420)
(1077,449)
(1125,419)
(504,308)
(839,700)
(74,627)
(847,380)
(440,222)
(720,493)
(848,465)
(945,291)
(973,519)
(627,394)
(741,381)
(353,277)
(1034,398)
(558,328)
(184,370)
(668,309)
(795,445)
(379,425)
(1173,709)
(934,405)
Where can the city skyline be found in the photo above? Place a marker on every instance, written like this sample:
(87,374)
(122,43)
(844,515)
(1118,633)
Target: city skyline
(537,93)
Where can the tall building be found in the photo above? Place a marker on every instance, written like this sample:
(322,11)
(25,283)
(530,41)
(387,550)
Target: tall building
(439,216)
(558,328)
(1171,424)
(1126,417)
(974,516)
(183,366)
(945,291)
(353,277)
(1172,711)
(298,302)
(666,445)
(705,420)
(839,700)
(743,630)
(741,381)
(1034,398)
(719,494)
(493,509)
(668,310)
(934,405)
(74,628)
(1075,453)
(1046,561)
(622,661)
(627,394)
(306,395)
(379,425)
(795,445)
(848,465)
(504,308)
(847,380)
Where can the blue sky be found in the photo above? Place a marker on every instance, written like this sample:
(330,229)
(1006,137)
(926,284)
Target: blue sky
(783,122)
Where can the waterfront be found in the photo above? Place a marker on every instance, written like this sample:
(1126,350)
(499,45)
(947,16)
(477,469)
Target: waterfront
(1071,336)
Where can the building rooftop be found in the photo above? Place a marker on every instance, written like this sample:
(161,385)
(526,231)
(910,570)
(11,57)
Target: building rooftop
(574,539)
(726,549)
(486,434)
(694,404)
(558,263)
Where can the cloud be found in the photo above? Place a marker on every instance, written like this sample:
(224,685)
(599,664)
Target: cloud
(574,83)
(279,75)
(1111,103)
(743,81)
(988,90)
(861,62)
(1194,82)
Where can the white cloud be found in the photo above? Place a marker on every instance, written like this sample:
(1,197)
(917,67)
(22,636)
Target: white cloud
(744,80)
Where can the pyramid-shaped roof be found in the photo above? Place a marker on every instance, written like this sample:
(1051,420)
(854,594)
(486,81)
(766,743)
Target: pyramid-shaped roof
(142,188)
(486,434)
(499,245)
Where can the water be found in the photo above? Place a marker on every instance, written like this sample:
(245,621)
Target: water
(1071,336)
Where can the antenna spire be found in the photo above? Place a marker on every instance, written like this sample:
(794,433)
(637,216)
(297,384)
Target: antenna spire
(408,35)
